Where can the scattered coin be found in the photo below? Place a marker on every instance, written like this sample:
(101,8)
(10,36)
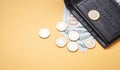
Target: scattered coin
(72,46)
(61,42)
(61,26)
(73,35)
(90,43)
(44,33)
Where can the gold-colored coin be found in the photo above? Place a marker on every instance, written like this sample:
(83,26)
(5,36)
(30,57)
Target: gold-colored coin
(94,15)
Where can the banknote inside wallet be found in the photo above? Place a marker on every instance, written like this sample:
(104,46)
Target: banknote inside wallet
(107,28)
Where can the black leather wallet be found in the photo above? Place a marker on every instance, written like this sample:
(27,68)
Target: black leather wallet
(107,28)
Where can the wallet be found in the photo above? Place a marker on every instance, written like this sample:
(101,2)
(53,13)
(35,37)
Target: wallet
(106,29)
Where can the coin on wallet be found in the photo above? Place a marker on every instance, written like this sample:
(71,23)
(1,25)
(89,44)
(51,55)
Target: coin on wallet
(61,42)
(61,26)
(94,15)
(44,33)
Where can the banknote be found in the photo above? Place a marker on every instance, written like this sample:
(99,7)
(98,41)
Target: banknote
(72,21)
(75,25)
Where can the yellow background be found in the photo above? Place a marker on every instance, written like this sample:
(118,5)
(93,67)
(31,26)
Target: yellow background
(22,49)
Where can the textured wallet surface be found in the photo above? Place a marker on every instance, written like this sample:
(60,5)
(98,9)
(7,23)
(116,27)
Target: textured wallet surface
(107,28)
